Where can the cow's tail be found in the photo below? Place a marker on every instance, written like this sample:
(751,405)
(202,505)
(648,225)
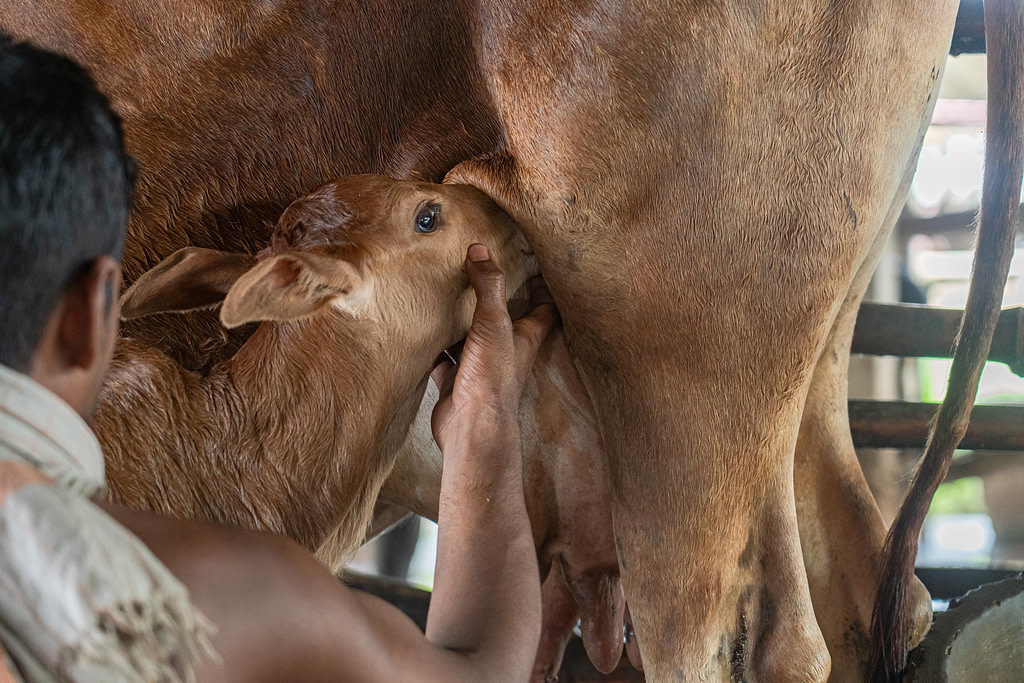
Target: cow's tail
(891,621)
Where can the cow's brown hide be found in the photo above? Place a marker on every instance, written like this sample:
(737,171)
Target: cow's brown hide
(703,182)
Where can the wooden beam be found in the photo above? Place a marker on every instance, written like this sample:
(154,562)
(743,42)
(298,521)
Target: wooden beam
(927,331)
(895,424)
(943,224)
(969,31)
(982,464)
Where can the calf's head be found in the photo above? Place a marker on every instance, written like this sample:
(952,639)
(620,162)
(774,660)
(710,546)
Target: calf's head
(365,246)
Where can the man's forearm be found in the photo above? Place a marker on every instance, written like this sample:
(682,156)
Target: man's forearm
(486,597)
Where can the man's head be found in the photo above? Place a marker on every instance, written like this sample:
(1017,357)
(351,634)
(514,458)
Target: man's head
(65,192)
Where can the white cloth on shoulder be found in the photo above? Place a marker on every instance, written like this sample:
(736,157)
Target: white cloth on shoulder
(81,598)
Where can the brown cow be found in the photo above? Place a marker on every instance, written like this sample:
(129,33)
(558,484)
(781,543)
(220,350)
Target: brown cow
(760,228)
(707,185)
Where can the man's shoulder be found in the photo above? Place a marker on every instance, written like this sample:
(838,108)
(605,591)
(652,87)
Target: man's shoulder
(203,553)
(280,614)
(167,535)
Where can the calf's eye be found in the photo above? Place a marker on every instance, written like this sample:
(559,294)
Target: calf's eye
(427,218)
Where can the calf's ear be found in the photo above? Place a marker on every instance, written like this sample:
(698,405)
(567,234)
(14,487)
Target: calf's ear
(293,285)
(189,278)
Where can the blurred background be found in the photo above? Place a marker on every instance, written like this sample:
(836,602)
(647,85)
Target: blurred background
(977,516)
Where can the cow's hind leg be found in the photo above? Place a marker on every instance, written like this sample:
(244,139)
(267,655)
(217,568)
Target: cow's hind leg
(841,529)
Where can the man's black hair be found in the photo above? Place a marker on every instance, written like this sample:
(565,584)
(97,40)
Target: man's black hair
(65,188)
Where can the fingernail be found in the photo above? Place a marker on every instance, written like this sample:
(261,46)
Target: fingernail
(478,252)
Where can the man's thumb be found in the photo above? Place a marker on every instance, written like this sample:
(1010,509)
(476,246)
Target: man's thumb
(488,282)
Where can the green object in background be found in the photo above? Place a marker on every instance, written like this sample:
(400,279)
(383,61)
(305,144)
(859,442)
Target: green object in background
(924,380)
(933,389)
(962,496)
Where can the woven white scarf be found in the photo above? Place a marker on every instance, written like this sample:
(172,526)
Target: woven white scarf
(81,598)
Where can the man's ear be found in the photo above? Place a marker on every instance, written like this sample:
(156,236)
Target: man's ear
(74,351)
(87,326)
(189,278)
(293,285)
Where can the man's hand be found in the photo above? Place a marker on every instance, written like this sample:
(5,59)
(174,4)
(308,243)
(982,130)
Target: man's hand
(482,393)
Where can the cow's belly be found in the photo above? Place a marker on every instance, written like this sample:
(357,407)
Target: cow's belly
(701,190)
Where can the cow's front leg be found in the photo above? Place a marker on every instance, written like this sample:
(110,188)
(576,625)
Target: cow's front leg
(707,532)
(699,377)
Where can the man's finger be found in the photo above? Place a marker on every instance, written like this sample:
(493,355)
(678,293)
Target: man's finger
(539,292)
(537,324)
(443,375)
(544,316)
(529,334)
(489,284)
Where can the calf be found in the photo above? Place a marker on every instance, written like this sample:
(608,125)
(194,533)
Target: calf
(361,288)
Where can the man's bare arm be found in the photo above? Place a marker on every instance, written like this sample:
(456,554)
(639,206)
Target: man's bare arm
(486,596)
(281,616)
